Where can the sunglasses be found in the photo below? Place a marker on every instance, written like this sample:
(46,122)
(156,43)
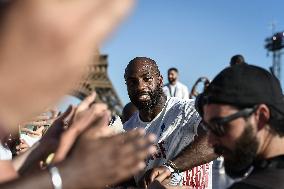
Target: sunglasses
(217,125)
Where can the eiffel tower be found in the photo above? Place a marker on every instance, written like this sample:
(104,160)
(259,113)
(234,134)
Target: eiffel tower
(97,80)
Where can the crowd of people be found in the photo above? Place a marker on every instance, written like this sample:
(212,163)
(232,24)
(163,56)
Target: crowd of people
(164,138)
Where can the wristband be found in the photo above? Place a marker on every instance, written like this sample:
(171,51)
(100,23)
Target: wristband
(171,166)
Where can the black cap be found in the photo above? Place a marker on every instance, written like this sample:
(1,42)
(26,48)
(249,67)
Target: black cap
(243,86)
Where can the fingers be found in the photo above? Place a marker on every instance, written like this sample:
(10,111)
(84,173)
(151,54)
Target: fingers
(39,120)
(88,117)
(99,109)
(30,132)
(140,143)
(68,111)
(99,128)
(42,117)
(67,140)
(67,116)
(134,152)
(40,129)
(163,175)
(96,115)
(54,112)
(156,173)
(54,132)
(135,146)
(38,123)
(22,147)
(131,135)
(85,104)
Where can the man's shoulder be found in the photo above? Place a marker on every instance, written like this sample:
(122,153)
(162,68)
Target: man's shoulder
(132,122)
(180,103)
(166,86)
(180,84)
(184,107)
(268,177)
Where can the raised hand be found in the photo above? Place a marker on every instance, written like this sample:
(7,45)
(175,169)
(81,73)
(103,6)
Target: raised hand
(159,173)
(83,118)
(107,161)
(45,48)
(22,147)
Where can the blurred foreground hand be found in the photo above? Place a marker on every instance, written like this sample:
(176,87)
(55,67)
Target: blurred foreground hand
(45,47)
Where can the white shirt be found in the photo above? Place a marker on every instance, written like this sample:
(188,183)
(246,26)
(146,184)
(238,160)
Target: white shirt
(5,153)
(175,127)
(178,90)
(30,140)
(116,125)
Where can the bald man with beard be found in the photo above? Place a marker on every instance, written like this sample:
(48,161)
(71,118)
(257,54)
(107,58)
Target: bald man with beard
(183,152)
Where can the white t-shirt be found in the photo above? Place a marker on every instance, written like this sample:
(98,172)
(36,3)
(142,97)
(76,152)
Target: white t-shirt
(5,153)
(175,127)
(29,140)
(178,90)
(116,125)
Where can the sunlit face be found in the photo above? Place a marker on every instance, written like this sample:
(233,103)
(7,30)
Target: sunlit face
(144,85)
(172,76)
(239,143)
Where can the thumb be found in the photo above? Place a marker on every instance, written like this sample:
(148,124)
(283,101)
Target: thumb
(99,127)
(85,104)
(162,176)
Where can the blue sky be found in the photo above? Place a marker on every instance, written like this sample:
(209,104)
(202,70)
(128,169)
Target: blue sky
(196,36)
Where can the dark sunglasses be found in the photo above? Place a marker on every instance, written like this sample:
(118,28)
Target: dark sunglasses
(217,125)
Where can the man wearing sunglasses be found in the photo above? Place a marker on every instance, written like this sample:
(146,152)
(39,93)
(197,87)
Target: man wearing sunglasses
(243,110)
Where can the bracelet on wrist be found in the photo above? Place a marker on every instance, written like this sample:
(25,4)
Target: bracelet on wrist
(171,166)
(55,177)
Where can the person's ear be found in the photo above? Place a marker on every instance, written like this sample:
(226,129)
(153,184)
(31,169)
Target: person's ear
(263,115)
(161,80)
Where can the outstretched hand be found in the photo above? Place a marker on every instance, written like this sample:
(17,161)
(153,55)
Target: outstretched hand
(159,173)
(45,48)
(109,160)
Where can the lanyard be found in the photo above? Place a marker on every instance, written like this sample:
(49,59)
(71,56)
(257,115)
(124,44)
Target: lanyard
(171,94)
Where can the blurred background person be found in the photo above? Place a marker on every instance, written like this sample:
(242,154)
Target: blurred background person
(175,88)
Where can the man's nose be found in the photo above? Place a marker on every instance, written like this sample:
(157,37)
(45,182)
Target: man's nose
(141,85)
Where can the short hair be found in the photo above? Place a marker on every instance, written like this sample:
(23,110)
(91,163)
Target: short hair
(173,69)
(143,59)
(237,59)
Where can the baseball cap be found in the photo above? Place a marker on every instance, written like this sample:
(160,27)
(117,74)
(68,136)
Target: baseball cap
(243,86)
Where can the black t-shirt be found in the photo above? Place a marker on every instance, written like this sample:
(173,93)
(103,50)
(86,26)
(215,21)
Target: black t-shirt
(267,174)
(240,185)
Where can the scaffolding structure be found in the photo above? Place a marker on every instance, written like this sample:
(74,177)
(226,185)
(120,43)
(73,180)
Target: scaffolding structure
(274,45)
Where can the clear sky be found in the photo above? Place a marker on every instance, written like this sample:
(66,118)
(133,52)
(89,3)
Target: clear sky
(196,36)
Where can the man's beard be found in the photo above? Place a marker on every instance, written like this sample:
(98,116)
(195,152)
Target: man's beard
(241,158)
(155,98)
(172,80)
